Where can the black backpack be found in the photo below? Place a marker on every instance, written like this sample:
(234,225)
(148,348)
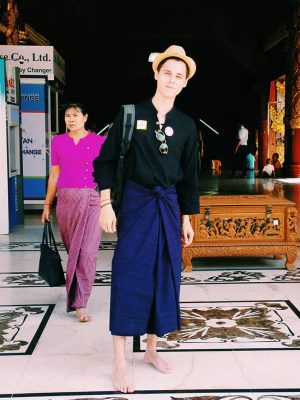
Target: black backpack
(128,125)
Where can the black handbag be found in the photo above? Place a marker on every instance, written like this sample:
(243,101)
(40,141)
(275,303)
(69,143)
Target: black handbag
(50,267)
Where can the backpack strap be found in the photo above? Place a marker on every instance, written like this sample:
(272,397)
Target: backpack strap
(128,125)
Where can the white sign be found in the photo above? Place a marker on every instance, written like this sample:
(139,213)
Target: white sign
(33,145)
(35,60)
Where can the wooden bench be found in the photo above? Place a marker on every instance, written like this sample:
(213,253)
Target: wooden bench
(243,226)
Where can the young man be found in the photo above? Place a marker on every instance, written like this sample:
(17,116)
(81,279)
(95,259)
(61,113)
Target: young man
(160,193)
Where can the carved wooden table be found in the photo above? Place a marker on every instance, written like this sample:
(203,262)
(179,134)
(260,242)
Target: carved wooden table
(243,225)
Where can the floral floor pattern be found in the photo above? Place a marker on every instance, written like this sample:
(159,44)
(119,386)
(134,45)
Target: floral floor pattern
(103,278)
(215,326)
(21,327)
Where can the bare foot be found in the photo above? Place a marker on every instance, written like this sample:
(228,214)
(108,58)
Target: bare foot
(120,379)
(82,317)
(158,363)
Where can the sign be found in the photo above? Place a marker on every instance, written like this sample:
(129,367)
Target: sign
(34,117)
(35,61)
(11,83)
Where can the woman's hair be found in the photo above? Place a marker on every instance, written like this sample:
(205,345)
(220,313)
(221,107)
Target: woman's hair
(80,106)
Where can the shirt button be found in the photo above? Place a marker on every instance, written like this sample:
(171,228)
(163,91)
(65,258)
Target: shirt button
(87,170)
(84,177)
(87,148)
(86,163)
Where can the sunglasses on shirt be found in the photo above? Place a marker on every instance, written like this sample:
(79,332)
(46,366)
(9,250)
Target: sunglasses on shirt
(161,137)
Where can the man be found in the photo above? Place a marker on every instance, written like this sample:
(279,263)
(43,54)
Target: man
(161,190)
(240,150)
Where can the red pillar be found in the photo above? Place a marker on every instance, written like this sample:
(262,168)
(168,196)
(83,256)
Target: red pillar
(295,162)
(294,122)
(264,143)
(263,128)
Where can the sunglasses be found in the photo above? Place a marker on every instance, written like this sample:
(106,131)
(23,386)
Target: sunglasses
(161,137)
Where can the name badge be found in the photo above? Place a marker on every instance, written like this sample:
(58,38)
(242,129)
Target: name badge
(141,124)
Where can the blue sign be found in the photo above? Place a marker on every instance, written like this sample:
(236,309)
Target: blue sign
(33,97)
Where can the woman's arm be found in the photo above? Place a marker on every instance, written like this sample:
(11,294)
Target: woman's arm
(51,192)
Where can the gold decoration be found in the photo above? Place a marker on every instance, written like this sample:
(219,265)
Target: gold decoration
(276,117)
(23,37)
(12,36)
(280,86)
(276,120)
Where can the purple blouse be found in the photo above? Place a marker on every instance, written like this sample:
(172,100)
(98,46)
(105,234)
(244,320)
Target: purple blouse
(75,160)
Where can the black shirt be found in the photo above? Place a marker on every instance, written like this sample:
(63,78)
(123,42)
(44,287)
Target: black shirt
(145,164)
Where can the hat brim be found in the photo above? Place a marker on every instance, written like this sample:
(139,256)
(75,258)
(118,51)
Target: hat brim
(188,60)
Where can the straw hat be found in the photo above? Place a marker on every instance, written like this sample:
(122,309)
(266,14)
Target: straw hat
(175,51)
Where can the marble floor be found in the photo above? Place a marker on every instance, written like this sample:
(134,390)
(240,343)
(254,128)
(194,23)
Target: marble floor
(240,336)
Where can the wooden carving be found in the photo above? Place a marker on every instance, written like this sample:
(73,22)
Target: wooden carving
(291,233)
(238,228)
(243,226)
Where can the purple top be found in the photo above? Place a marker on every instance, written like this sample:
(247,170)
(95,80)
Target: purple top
(75,160)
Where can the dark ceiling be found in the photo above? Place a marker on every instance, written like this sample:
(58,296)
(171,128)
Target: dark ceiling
(106,45)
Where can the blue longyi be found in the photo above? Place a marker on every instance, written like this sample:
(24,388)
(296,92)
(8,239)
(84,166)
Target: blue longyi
(146,265)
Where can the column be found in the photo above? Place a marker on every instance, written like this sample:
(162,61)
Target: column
(292,119)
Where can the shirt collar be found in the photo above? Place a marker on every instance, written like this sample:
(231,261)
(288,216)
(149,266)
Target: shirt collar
(154,110)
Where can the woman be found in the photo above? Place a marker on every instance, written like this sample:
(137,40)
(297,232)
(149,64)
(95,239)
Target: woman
(78,209)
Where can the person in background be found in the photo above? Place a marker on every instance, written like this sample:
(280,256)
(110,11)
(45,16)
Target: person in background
(77,208)
(277,164)
(240,150)
(268,170)
(161,191)
(216,166)
(250,161)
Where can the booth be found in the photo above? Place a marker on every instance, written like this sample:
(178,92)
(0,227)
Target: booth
(11,189)
(42,81)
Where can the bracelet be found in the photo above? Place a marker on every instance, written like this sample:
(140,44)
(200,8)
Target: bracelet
(105,204)
(47,204)
(105,200)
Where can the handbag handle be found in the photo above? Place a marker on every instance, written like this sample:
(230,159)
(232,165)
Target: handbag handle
(48,236)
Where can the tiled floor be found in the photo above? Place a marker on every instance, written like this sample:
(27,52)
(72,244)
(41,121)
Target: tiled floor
(240,317)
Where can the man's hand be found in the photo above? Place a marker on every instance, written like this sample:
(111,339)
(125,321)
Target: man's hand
(108,220)
(187,231)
